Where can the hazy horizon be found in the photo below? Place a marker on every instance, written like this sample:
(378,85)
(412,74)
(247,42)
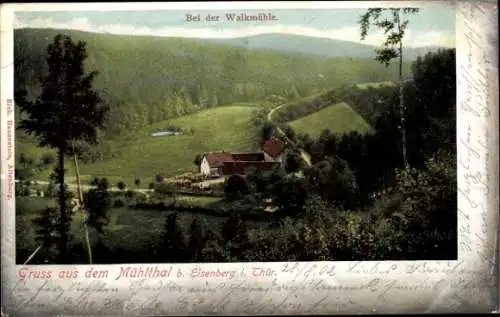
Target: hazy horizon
(430,27)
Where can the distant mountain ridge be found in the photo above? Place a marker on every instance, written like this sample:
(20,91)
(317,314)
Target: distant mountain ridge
(308,45)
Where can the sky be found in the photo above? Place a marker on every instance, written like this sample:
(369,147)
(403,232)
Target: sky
(431,26)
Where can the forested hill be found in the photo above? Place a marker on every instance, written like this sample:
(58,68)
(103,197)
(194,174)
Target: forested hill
(146,79)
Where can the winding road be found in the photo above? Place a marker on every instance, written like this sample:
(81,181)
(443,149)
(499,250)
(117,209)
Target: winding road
(305,156)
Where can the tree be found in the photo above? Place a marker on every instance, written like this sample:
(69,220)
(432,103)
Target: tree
(27,164)
(334,181)
(137,182)
(196,240)
(197,160)
(427,214)
(46,232)
(289,132)
(159,178)
(121,185)
(47,159)
(268,131)
(67,110)
(97,202)
(293,162)
(431,111)
(235,234)
(174,240)
(394,26)
(236,187)
(26,161)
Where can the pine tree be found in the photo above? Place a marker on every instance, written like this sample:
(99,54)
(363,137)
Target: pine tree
(67,110)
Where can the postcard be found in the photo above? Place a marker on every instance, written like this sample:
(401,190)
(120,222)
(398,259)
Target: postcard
(249,158)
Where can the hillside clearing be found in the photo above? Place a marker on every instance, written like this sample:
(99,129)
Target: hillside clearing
(224,128)
(339,118)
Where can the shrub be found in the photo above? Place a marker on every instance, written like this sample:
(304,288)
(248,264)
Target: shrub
(118,203)
(121,185)
(130,194)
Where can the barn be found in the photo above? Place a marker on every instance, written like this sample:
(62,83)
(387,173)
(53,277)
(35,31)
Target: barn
(218,164)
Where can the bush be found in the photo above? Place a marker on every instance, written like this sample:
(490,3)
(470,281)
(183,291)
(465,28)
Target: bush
(121,185)
(47,159)
(118,203)
(159,178)
(428,212)
(236,187)
(130,194)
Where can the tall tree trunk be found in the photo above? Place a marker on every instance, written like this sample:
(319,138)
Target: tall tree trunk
(401,99)
(81,207)
(63,223)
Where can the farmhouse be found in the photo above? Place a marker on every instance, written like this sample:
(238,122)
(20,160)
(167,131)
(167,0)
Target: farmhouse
(218,164)
(211,164)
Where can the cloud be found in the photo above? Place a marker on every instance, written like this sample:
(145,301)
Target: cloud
(434,38)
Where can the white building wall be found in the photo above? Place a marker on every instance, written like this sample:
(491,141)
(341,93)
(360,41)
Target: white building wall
(280,158)
(205,167)
(268,158)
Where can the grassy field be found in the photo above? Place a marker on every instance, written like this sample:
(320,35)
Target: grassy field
(224,128)
(339,118)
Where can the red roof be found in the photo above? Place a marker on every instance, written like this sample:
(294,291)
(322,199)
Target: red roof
(273,147)
(217,159)
(254,157)
(231,168)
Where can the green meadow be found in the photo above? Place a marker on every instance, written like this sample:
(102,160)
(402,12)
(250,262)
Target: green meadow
(339,118)
(144,156)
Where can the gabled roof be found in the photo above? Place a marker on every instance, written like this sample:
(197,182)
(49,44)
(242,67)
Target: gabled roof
(254,157)
(240,167)
(273,147)
(217,159)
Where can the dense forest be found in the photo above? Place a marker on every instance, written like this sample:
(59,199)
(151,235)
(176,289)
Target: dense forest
(150,79)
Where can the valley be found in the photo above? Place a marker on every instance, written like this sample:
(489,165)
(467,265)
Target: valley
(246,147)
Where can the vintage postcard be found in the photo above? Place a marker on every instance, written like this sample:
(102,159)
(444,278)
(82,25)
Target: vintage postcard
(249,158)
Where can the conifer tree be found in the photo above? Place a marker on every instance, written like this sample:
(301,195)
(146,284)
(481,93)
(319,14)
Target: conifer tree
(67,110)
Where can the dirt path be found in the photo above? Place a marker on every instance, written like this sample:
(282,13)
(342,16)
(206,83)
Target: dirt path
(305,156)
(87,187)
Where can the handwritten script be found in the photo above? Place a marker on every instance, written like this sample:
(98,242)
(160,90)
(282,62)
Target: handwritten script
(474,177)
(273,288)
